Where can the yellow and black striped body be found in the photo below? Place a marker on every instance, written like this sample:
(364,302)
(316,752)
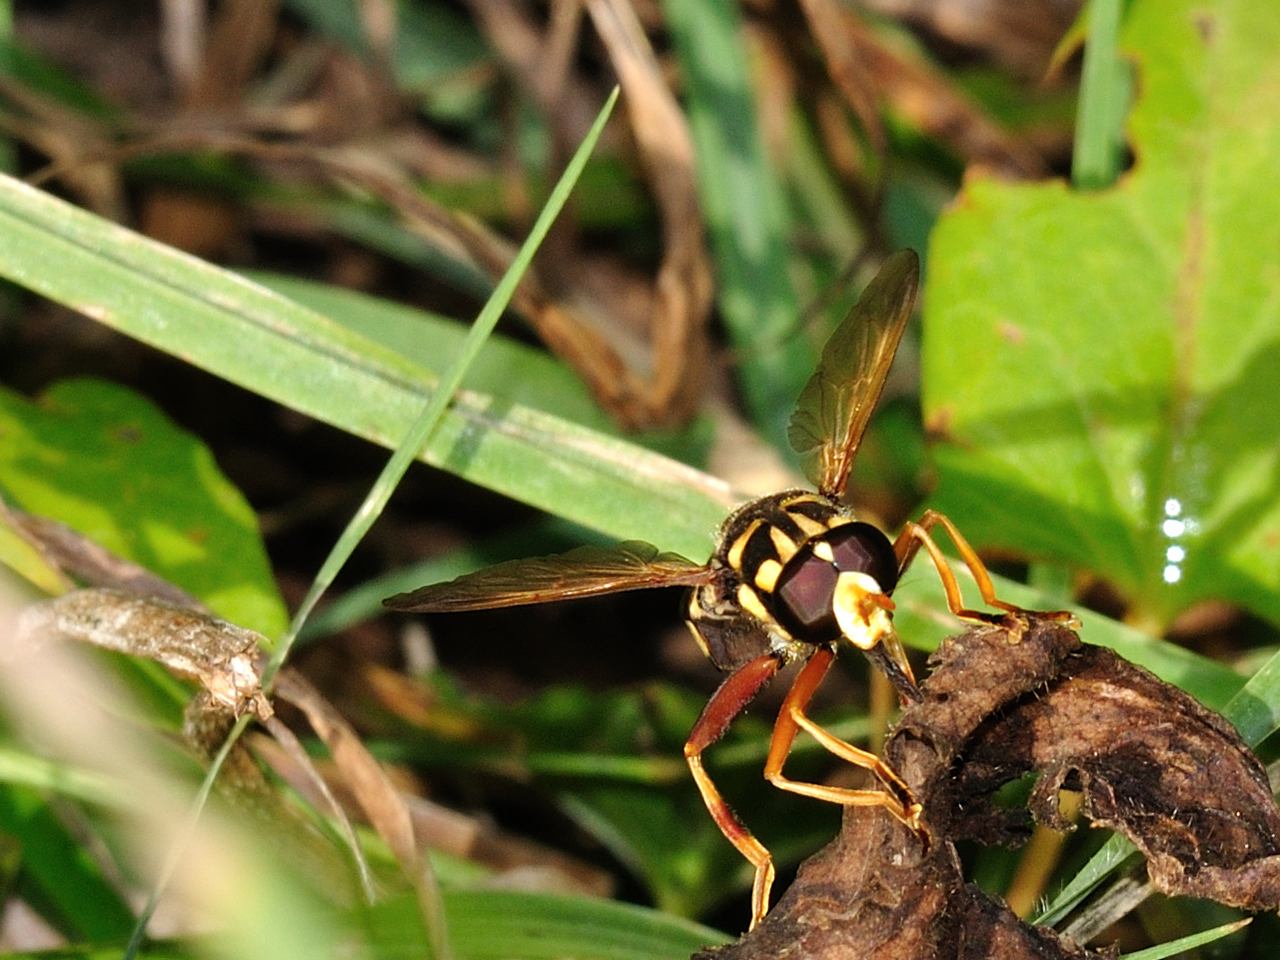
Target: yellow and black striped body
(775,556)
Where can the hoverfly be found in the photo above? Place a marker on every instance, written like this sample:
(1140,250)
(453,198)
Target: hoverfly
(793,574)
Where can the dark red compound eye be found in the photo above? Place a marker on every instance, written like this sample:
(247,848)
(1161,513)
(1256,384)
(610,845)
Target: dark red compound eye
(802,596)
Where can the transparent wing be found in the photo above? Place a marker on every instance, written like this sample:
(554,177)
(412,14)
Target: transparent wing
(837,402)
(583,572)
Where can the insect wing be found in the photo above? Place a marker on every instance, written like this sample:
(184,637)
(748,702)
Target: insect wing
(582,572)
(836,404)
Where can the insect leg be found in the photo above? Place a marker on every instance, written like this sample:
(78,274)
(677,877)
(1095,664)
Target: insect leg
(896,797)
(916,535)
(738,690)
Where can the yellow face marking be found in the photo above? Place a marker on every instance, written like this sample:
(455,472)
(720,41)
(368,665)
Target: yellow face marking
(782,544)
(767,575)
(749,600)
(734,556)
(822,550)
(861,613)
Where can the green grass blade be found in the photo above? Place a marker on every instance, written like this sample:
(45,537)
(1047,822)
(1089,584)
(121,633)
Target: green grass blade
(745,211)
(1112,855)
(1183,944)
(496,925)
(1104,97)
(51,776)
(407,451)
(1255,709)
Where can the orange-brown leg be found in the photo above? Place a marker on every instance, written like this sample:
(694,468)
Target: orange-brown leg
(738,690)
(896,796)
(916,535)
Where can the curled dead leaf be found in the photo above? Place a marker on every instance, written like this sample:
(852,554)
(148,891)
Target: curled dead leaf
(220,656)
(1148,760)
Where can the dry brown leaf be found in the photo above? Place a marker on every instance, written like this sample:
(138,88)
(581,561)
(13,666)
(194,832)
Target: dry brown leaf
(458,834)
(363,775)
(643,380)
(1021,34)
(239,38)
(864,67)
(1150,762)
(220,656)
(382,804)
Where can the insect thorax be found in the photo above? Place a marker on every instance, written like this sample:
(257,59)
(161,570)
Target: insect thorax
(777,559)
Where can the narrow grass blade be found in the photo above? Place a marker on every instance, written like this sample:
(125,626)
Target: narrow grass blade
(1255,710)
(490,924)
(1175,947)
(450,380)
(745,209)
(1104,97)
(1114,853)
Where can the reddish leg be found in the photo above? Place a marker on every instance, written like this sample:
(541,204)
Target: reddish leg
(896,797)
(916,535)
(738,690)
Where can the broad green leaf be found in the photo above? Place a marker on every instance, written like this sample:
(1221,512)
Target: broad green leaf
(105,462)
(1103,364)
(239,330)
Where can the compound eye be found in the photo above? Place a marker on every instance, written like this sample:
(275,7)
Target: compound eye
(861,548)
(803,598)
(804,590)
